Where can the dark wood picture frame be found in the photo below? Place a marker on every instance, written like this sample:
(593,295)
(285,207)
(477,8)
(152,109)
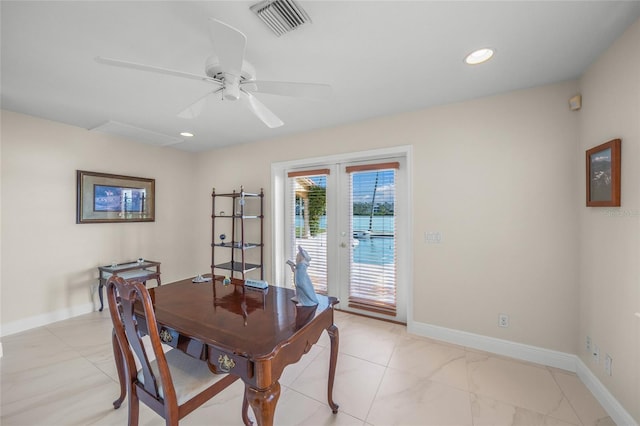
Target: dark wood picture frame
(603,174)
(107,198)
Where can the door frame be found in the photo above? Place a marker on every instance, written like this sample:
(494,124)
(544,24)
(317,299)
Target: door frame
(278,208)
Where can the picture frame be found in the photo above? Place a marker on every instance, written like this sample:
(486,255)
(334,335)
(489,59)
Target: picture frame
(108,198)
(603,174)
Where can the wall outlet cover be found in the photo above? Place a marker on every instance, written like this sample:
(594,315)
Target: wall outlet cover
(503,320)
(432,237)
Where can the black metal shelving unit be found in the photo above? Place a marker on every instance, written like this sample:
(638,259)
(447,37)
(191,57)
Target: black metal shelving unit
(232,213)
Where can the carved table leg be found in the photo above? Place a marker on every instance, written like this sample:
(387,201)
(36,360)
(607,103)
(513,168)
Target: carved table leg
(335,340)
(263,403)
(100,294)
(117,354)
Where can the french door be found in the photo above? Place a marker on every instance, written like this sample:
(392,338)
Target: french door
(352,220)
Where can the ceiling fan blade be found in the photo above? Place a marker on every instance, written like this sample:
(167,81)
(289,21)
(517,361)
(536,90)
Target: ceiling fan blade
(196,108)
(228,45)
(157,70)
(262,112)
(298,90)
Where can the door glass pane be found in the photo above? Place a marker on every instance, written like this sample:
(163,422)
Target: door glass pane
(309,225)
(372,284)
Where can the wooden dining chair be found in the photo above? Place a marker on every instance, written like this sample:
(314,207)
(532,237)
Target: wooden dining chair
(172,384)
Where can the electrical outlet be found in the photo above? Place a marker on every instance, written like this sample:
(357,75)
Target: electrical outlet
(607,364)
(503,320)
(596,354)
(588,344)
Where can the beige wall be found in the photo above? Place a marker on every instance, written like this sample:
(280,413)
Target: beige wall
(496,180)
(48,262)
(495,176)
(610,237)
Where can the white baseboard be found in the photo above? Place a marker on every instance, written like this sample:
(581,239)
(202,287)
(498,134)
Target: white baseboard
(611,405)
(562,360)
(45,319)
(508,348)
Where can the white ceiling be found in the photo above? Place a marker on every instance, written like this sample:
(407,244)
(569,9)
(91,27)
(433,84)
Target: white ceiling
(380,57)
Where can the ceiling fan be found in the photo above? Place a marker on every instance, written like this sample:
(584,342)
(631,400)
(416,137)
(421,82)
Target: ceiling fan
(232,76)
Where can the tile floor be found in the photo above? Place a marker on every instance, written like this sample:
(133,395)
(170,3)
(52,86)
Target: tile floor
(384,377)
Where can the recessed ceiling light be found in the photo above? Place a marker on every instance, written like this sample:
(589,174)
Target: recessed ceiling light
(479,56)
(186,134)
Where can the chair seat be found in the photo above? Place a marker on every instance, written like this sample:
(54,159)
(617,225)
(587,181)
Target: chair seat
(190,376)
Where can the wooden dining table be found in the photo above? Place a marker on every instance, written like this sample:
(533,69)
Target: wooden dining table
(250,333)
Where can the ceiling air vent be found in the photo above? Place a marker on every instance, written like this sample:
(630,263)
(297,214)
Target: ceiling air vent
(281,16)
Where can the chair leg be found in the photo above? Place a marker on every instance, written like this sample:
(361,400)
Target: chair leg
(117,354)
(134,408)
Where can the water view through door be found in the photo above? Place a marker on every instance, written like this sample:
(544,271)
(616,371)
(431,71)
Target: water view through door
(371,257)
(345,217)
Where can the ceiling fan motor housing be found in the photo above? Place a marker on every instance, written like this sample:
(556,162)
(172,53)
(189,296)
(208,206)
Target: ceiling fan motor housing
(231,82)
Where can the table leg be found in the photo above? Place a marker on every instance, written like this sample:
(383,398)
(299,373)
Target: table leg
(333,335)
(100,294)
(263,403)
(117,354)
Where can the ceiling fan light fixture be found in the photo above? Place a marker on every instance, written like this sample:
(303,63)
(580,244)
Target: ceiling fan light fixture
(479,56)
(281,16)
(231,90)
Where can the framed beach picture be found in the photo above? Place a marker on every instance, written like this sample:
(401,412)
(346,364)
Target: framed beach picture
(603,175)
(103,198)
